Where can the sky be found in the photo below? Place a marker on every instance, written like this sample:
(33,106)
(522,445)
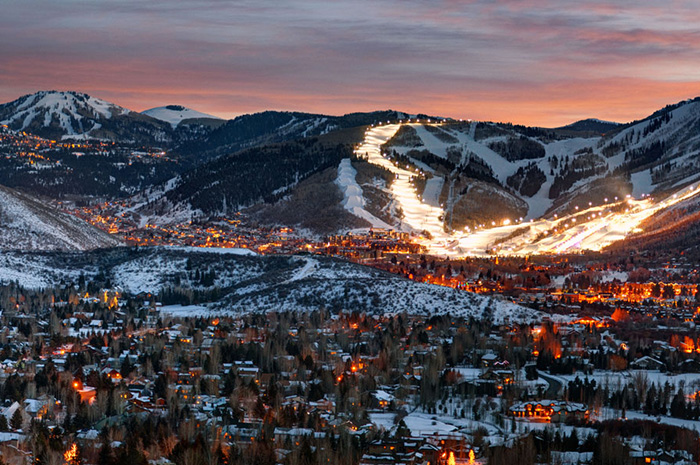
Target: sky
(535,62)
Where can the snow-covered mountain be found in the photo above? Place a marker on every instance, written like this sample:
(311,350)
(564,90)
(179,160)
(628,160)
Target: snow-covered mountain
(175,114)
(197,137)
(27,224)
(460,175)
(74,115)
(466,174)
(536,172)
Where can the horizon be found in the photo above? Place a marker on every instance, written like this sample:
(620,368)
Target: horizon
(235,115)
(524,62)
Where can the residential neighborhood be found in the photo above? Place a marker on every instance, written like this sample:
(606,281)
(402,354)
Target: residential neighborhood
(113,377)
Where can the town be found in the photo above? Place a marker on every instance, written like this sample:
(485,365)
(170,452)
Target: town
(613,358)
(649,283)
(92,374)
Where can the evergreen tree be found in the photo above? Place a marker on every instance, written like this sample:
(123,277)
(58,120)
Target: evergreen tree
(16,421)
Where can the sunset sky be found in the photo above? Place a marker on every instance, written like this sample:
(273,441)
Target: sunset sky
(536,62)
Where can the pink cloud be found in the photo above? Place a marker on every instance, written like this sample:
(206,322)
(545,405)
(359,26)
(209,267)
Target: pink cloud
(531,61)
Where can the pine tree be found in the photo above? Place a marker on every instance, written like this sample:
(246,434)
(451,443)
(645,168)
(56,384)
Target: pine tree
(16,421)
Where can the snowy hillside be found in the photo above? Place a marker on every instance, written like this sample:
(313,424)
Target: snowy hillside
(27,224)
(175,114)
(241,283)
(550,170)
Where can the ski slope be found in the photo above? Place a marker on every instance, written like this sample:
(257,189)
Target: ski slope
(590,229)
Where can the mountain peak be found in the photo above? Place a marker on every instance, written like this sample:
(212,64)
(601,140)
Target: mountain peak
(175,114)
(591,125)
(58,113)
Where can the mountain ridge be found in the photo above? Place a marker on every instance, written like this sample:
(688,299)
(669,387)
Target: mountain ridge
(478,174)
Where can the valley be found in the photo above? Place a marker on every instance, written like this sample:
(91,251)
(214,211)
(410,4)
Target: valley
(349,233)
(400,281)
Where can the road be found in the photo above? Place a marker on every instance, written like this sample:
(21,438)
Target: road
(555,386)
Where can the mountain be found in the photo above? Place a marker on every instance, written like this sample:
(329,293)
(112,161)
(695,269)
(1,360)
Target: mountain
(50,113)
(591,125)
(434,175)
(28,224)
(231,182)
(305,147)
(271,127)
(74,115)
(192,136)
(186,141)
(546,171)
(176,114)
(467,175)
(232,281)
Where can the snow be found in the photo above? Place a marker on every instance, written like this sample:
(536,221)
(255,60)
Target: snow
(145,274)
(430,142)
(309,267)
(260,283)
(352,194)
(593,229)
(433,188)
(469,372)
(642,183)
(622,378)
(182,311)
(383,420)
(423,424)
(215,250)
(417,215)
(28,226)
(608,276)
(501,167)
(175,114)
(608,413)
(69,108)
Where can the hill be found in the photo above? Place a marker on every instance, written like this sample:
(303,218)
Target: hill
(231,281)
(271,127)
(27,224)
(591,125)
(176,114)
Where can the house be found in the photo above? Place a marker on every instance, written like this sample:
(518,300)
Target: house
(488,359)
(554,411)
(243,434)
(382,398)
(689,366)
(648,363)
